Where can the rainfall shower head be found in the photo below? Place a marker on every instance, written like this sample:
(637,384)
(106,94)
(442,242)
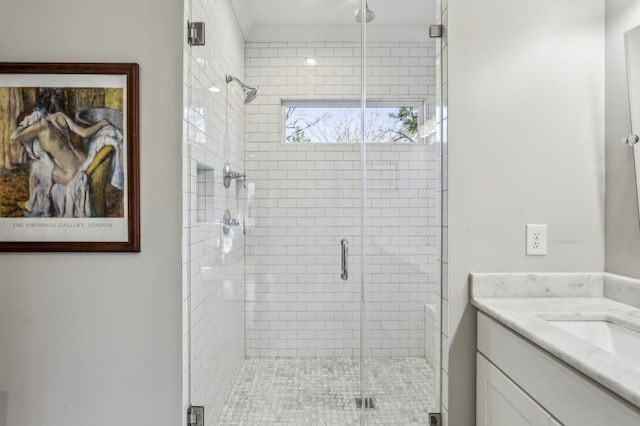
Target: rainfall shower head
(370,15)
(250,92)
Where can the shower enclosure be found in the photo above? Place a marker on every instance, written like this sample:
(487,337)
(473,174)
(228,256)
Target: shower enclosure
(312,218)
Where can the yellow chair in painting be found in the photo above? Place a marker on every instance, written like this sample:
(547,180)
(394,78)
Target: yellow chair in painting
(98,174)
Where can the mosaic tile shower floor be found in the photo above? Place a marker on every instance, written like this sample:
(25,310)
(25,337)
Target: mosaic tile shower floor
(322,391)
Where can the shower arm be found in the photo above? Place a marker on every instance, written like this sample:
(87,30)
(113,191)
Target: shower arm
(250,92)
(230,78)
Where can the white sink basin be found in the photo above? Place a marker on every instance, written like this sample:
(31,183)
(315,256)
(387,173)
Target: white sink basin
(607,335)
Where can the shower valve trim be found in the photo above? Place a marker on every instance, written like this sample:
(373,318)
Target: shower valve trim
(228,175)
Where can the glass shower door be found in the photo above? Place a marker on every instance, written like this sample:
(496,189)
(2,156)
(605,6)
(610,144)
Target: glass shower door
(274,329)
(402,290)
(312,288)
(303,309)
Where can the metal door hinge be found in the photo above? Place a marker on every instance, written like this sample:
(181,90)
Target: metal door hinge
(435,31)
(195,416)
(435,419)
(195,31)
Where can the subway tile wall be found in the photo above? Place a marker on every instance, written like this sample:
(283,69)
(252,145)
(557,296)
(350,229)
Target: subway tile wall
(213,263)
(304,198)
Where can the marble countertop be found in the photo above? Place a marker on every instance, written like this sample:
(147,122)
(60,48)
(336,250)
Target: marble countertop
(523,302)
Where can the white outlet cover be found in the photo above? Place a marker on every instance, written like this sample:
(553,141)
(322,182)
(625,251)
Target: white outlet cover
(536,240)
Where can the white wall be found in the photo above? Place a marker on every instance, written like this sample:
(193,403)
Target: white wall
(216,290)
(307,198)
(526,131)
(623,225)
(92,338)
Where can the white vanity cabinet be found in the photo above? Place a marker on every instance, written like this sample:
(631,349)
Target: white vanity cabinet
(518,383)
(500,402)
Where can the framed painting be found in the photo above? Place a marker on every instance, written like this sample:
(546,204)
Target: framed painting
(69,157)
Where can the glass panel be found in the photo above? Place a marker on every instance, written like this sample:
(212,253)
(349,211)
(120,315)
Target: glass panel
(275,130)
(302,318)
(274,331)
(402,218)
(214,242)
(187,205)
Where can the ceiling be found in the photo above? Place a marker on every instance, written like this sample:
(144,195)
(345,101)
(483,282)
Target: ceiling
(331,20)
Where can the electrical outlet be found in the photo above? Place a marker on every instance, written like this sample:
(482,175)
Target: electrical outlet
(536,240)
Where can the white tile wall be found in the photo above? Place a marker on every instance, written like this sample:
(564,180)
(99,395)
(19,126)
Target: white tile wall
(307,198)
(213,265)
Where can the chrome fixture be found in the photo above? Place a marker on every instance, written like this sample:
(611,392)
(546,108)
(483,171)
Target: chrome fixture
(228,222)
(370,15)
(195,31)
(631,140)
(228,176)
(435,419)
(195,416)
(436,31)
(345,260)
(250,92)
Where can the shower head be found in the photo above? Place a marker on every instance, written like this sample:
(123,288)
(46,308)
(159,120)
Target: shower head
(250,92)
(370,15)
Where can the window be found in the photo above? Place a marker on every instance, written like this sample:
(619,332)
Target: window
(339,122)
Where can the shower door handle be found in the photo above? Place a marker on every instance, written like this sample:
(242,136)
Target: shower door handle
(345,260)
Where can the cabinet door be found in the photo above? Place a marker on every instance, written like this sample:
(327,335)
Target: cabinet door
(500,402)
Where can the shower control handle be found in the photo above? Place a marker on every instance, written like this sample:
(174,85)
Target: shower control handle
(345,255)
